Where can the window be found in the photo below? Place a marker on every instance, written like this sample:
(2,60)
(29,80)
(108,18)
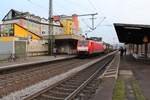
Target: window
(43,32)
(83,43)
(6,30)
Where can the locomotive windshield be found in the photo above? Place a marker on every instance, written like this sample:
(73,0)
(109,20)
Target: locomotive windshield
(83,43)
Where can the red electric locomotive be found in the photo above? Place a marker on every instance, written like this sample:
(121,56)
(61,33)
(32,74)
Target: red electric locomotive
(89,47)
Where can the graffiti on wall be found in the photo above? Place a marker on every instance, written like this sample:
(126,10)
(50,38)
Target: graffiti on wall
(37,46)
(6,30)
(31,26)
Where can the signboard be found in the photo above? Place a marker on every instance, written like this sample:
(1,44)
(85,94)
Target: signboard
(145,39)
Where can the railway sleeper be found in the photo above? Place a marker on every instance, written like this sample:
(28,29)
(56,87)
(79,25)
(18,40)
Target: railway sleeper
(3,82)
(92,84)
(50,97)
(69,86)
(37,99)
(3,92)
(74,78)
(89,87)
(85,94)
(58,93)
(79,80)
(13,82)
(85,91)
(92,90)
(43,98)
(82,96)
(66,90)
(74,83)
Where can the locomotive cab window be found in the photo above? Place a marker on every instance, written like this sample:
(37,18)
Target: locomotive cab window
(83,43)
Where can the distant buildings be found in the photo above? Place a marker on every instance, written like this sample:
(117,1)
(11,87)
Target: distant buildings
(57,28)
(63,25)
(29,21)
(18,26)
(70,24)
(24,19)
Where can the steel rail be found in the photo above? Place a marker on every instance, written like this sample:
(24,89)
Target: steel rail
(74,93)
(81,86)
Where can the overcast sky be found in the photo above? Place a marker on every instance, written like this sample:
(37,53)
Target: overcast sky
(115,11)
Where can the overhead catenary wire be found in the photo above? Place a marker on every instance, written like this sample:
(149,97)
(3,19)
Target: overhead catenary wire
(86,24)
(63,8)
(36,4)
(95,8)
(100,22)
(40,6)
(98,25)
(90,2)
(80,5)
(46,8)
(92,5)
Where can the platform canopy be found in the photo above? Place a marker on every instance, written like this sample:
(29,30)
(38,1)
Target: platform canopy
(133,33)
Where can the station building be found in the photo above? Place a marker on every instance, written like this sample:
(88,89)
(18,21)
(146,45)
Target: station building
(136,37)
(67,36)
(34,30)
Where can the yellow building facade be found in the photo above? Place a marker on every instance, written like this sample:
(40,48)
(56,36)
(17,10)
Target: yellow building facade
(68,26)
(16,32)
(24,33)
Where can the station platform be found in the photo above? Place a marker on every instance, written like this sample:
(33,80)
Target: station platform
(33,60)
(141,71)
(128,67)
(141,57)
(105,89)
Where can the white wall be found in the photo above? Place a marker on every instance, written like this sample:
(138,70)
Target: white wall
(37,48)
(6,49)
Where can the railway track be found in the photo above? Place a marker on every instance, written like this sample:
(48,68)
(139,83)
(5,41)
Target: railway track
(77,87)
(20,78)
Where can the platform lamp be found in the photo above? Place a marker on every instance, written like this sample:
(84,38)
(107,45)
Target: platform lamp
(145,40)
